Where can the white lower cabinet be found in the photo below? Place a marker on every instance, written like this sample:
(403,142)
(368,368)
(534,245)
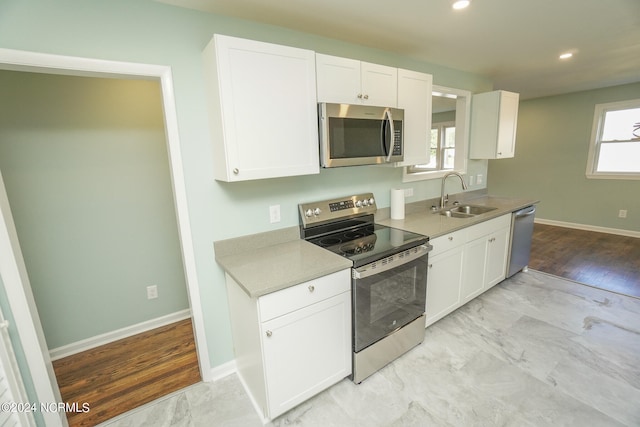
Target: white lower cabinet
(294,343)
(444,276)
(466,263)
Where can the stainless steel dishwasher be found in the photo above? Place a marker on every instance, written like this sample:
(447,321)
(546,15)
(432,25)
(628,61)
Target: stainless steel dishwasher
(521,235)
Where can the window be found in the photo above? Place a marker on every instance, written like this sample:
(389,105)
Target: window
(614,152)
(442,150)
(449,135)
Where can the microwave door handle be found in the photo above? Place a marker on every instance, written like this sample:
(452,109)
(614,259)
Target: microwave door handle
(387,113)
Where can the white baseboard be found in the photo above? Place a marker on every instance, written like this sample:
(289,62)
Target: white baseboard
(618,231)
(98,340)
(223,370)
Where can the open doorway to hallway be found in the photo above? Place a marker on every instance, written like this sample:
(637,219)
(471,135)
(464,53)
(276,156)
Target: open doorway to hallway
(86,170)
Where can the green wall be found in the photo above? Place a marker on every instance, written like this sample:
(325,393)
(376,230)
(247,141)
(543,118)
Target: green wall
(149,32)
(85,167)
(552,145)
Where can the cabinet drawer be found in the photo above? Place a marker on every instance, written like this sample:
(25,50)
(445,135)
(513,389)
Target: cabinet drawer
(488,227)
(287,300)
(448,241)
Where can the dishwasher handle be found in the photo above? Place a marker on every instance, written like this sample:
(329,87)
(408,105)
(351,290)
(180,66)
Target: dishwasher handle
(525,212)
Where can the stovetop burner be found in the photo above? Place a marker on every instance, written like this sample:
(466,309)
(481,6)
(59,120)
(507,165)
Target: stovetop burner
(346,227)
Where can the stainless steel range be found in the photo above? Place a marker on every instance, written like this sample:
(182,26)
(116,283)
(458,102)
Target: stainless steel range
(389,277)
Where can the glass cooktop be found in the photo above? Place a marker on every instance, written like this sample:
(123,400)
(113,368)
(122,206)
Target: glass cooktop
(369,242)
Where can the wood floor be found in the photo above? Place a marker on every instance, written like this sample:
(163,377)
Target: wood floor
(125,374)
(602,260)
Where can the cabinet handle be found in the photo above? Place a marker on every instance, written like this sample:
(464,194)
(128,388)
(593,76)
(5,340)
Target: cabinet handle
(450,238)
(312,288)
(236,171)
(430,265)
(359,96)
(366,97)
(493,239)
(499,154)
(269,333)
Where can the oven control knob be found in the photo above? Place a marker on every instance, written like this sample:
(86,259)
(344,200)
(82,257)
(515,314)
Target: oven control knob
(308,213)
(317,211)
(365,202)
(358,203)
(371,201)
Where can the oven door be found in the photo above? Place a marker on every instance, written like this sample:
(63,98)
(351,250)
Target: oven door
(388,294)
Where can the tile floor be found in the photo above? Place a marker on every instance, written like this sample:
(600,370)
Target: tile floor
(535,350)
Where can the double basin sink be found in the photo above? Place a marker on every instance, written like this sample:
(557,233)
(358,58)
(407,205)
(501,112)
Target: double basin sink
(465,211)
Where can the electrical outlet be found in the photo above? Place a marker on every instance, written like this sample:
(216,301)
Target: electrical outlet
(472,180)
(622,213)
(274,214)
(479,178)
(408,192)
(152,292)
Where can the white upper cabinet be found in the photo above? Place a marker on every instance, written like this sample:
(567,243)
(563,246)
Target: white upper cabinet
(262,109)
(414,97)
(348,81)
(494,117)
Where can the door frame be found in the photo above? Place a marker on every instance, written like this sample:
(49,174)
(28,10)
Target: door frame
(12,268)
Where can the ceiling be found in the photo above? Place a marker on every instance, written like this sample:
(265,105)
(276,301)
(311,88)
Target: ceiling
(516,43)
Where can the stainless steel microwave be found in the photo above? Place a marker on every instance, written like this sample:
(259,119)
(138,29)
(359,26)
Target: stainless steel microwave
(352,135)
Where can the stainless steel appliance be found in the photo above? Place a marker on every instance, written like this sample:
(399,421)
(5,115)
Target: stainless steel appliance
(521,235)
(353,135)
(389,277)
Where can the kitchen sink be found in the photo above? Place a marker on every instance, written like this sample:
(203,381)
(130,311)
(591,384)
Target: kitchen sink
(466,211)
(472,209)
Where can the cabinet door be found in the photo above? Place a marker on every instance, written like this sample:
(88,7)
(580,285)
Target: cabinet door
(494,118)
(497,252)
(507,125)
(379,85)
(348,81)
(263,109)
(338,79)
(306,351)
(475,255)
(414,96)
(443,284)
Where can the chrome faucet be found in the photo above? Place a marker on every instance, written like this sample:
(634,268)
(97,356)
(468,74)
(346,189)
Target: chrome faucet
(444,178)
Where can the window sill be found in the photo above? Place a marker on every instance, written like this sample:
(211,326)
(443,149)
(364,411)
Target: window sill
(423,176)
(625,176)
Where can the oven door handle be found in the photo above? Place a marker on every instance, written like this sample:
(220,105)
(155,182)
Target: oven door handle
(393,261)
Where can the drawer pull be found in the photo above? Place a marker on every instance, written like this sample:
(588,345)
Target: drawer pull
(312,288)
(450,238)
(269,333)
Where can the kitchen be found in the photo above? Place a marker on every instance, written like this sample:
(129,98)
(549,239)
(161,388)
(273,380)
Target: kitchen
(246,204)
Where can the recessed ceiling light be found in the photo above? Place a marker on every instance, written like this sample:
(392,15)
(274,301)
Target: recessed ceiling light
(566,55)
(461,4)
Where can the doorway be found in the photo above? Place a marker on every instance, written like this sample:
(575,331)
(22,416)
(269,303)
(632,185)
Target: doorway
(17,286)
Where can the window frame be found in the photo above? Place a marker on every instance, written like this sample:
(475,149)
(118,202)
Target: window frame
(595,142)
(463,117)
